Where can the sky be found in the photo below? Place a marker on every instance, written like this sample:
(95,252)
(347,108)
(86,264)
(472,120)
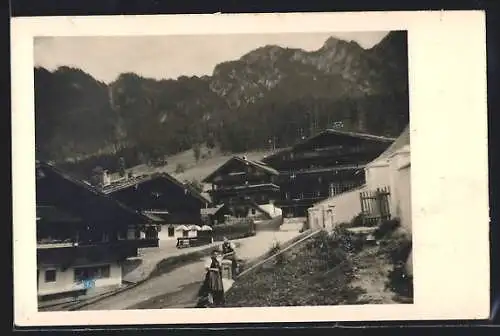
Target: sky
(165,57)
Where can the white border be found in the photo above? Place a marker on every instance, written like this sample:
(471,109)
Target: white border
(447,64)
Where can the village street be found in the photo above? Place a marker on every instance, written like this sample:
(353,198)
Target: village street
(183,283)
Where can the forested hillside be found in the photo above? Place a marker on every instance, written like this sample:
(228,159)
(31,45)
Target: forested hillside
(269,93)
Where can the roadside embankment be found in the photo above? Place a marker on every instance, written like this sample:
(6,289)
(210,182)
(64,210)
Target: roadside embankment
(336,268)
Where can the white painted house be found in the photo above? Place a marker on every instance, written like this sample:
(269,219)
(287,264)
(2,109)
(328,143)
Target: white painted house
(391,169)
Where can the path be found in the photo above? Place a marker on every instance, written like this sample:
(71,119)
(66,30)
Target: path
(181,285)
(149,257)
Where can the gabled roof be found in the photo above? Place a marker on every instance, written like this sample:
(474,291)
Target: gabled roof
(402,141)
(258,164)
(363,136)
(211,211)
(54,214)
(102,207)
(132,182)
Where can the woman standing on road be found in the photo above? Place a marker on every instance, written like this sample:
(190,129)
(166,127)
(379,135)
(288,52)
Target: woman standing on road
(212,288)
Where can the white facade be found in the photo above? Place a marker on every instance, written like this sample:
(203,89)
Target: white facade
(377,174)
(172,232)
(54,280)
(271,209)
(335,210)
(399,169)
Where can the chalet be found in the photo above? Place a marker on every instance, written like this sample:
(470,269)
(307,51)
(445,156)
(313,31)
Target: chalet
(83,236)
(246,187)
(323,166)
(161,196)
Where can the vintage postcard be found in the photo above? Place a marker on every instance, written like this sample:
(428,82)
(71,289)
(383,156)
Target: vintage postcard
(250,168)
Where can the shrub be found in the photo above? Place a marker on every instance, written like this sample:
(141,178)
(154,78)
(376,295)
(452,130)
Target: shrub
(386,227)
(275,248)
(400,282)
(357,221)
(180,168)
(234,230)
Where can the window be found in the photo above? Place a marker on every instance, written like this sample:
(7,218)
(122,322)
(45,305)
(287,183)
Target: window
(50,276)
(253,211)
(287,195)
(92,273)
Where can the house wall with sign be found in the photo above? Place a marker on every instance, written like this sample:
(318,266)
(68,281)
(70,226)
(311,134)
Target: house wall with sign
(55,280)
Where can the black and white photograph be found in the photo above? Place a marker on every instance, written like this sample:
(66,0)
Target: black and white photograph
(236,170)
(282,159)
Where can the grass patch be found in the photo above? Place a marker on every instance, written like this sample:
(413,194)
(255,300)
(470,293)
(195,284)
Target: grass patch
(316,272)
(397,248)
(169,264)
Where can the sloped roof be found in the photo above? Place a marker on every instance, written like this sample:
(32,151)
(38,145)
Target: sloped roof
(54,214)
(132,182)
(364,136)
(106,207)
(400,142)
(211,211)
(257,164)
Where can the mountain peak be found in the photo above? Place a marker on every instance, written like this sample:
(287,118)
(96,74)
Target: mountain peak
(270,51)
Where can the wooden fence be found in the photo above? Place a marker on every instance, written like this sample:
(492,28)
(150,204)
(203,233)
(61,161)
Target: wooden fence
(375,206)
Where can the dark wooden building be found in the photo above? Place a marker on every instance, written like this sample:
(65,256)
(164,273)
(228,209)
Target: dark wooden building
(83,235)
(240,180)
(322,166)
(161,195)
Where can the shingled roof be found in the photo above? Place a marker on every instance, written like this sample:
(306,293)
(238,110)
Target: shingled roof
(79,197)
(363,136)
(257,164)
(132,182)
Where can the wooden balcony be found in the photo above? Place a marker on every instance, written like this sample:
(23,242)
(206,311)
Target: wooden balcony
(300,201)
(60,253)
(245,188)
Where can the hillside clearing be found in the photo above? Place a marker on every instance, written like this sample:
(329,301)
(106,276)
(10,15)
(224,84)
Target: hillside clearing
(194,170)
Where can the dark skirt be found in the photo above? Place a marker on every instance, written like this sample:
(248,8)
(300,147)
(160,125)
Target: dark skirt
(212,289)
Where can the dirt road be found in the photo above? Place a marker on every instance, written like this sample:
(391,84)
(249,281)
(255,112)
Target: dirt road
(179,287)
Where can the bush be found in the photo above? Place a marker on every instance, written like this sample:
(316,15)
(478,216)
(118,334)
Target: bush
(386,227)
(235,230)
(275,248)
(398,250)
(357,221)
(180,168)
(400,282)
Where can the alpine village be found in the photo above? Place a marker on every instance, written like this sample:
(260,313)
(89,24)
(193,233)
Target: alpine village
(300,159)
